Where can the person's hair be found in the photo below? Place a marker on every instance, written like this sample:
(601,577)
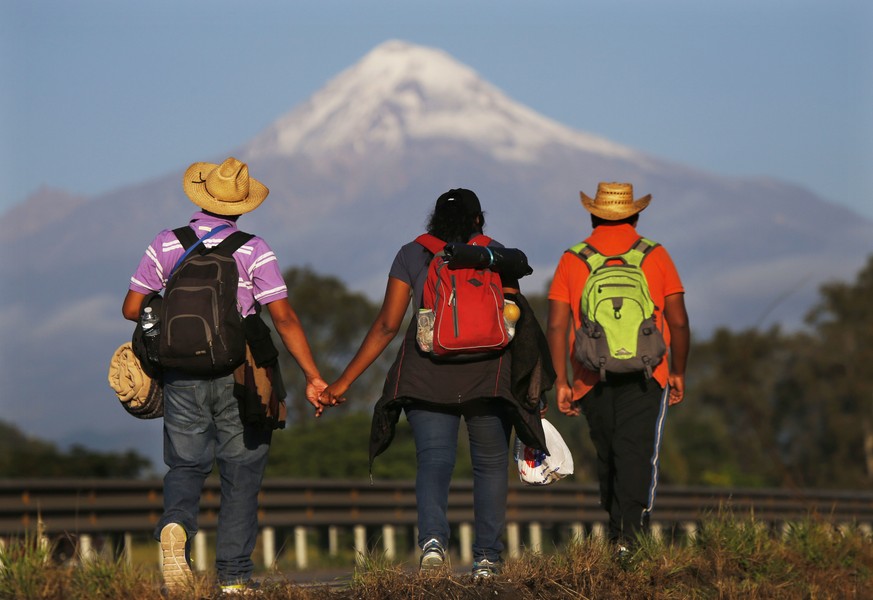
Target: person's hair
(631,220)
(451,223)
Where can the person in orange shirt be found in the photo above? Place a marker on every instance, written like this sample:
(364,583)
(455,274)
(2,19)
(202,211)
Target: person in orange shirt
(625,413)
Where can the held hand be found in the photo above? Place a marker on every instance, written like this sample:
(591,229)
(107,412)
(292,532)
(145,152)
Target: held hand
(314,389)
(677,388)
(565,401)
(334,393)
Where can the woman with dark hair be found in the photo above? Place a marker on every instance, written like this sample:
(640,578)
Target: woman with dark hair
(435,395)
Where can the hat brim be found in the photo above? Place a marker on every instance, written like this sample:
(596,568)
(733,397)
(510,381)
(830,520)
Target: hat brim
(194,185)
(614,212)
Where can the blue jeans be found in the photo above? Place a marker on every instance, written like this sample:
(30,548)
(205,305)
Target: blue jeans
(435,431)
(202,425)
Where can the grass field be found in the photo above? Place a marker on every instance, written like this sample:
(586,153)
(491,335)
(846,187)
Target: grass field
(727,558)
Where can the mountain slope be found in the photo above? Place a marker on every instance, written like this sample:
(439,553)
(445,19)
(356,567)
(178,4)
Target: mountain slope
(353,173)
(399,94)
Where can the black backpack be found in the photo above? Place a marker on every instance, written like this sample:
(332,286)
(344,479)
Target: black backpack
(201,328)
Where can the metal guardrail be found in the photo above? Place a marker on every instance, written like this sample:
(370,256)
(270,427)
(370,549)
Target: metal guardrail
(117,506)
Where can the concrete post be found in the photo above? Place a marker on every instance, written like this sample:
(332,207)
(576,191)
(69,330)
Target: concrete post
(656,531)
(333,540)
(86,548)
(268,542)
(388,542)
(690,529)
(360,544)
(577,532)
(536,536)
(466,536)
(513,538)
(198,551)
(300,549)
(127,549)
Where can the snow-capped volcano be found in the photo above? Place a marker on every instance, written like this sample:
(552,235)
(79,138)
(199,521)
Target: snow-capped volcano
(401,92)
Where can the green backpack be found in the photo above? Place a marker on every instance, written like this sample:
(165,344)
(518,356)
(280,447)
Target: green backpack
(618,333)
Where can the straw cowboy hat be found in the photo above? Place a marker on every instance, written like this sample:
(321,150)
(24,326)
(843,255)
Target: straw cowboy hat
(224,189)
(614,201)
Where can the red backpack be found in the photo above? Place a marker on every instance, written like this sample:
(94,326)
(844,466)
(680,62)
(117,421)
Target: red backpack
(467,304)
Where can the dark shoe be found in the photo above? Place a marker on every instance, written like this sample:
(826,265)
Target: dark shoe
(623,556)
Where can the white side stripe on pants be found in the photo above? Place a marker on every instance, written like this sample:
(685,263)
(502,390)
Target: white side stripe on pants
(659,432)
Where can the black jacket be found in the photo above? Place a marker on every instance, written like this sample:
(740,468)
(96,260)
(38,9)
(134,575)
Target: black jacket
(531,376)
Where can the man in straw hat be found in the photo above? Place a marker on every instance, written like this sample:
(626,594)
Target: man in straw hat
(625,412)
(201,416)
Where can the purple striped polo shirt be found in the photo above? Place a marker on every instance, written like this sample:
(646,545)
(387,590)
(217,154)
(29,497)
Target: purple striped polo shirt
(260,278)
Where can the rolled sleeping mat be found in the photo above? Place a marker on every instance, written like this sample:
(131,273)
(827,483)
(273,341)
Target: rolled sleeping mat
(510,262)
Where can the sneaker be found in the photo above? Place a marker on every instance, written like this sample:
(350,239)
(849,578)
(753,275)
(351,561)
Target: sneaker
(485,569)
(240,589)
(433,555)
(623,556)
(174,566)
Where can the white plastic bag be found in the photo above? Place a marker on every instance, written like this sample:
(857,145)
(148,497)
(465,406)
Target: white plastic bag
(535,468)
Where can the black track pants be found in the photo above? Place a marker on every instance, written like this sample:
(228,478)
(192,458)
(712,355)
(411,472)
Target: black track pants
(626,418)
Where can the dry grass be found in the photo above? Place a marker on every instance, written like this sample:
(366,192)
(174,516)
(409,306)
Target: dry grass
(729,558)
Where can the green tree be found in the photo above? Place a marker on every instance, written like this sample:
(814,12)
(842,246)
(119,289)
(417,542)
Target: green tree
(337,447)
(22,456)
(726,430)
(335,320)
(769,408)
(829,395)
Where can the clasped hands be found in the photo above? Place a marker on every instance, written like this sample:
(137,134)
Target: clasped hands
(321,395)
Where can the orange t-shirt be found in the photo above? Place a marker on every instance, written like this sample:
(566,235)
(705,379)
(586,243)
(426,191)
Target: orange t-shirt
(570,277)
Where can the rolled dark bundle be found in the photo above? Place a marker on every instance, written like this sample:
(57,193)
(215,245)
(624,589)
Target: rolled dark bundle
(510,262)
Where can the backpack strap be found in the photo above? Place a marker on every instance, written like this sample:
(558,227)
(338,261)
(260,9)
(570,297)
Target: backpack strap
(480,240)
(436,245)
(431,242)
(191,242)
(594,259)
(591,256)
(639,251)
(184,234)
(232,243)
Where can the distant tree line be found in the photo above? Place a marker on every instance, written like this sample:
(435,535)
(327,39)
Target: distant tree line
(22,456)
(763,408)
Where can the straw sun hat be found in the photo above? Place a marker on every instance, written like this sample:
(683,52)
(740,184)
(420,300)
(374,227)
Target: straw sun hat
(224,189)
(614,201)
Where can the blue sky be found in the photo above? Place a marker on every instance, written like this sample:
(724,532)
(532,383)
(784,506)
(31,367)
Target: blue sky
(100,94)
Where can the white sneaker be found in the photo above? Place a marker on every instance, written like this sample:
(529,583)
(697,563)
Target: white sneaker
(174,567)
(485,569)
(433,555)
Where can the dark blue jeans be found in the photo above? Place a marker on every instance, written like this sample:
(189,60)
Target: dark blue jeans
(435,431)
(201,426)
